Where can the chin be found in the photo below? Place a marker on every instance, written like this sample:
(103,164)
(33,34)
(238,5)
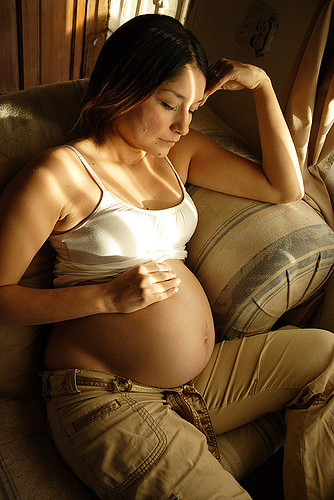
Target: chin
(160,153)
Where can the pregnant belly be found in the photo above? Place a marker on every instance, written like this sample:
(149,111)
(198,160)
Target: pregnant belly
(165,344)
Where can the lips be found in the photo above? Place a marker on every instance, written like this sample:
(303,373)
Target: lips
(168,143)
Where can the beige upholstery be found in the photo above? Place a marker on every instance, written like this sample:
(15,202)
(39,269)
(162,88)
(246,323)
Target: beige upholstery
(276,258)
(240,247)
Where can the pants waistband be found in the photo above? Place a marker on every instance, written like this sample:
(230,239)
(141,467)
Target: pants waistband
(69,381)
(184,400)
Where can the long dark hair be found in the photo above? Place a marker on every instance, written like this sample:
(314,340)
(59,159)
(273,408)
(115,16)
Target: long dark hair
(135,60)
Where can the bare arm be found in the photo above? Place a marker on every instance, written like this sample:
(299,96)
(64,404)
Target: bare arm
(278,179)
(279,157)
(21,305)
(133,290)
(29,209)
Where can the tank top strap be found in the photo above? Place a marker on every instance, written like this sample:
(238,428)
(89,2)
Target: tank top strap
(176,174)
(87,167)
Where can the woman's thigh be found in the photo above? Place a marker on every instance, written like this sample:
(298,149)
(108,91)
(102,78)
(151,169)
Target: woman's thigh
(249,377)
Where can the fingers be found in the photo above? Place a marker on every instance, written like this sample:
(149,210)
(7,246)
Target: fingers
(139,287)
(153,266)
(158,282)
(219,69)
(225,74)
(217,72)
(158,278)
(168,286)
(216,78)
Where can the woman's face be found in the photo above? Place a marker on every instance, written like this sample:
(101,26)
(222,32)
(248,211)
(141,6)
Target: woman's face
(155,125)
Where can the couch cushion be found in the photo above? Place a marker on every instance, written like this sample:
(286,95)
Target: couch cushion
(256,260)
(243,449)
(30,465)
(34,120)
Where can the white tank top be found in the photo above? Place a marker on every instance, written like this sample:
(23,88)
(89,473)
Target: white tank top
(118,236)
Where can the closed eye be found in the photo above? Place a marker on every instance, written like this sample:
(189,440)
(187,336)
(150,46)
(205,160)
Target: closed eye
(174,108)
(168,106)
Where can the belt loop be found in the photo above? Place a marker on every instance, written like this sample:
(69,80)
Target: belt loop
(69,382)
(46,388)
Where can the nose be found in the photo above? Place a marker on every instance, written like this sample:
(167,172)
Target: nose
(181,123)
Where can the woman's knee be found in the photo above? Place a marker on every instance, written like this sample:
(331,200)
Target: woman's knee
(309,351)
(317,341)
(322,348)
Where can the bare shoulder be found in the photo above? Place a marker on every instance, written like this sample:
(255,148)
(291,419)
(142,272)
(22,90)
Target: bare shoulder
(58,161)
(51,170)
(46,182)
(30,207)
(183,153)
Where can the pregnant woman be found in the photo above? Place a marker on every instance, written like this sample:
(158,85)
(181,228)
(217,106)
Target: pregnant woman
(135,385)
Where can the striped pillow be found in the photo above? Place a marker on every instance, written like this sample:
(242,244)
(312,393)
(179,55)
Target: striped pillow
(257,260)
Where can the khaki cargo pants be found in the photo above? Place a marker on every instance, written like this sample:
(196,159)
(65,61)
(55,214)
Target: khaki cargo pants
(130,441)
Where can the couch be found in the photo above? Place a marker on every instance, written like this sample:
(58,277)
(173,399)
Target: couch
(263,267)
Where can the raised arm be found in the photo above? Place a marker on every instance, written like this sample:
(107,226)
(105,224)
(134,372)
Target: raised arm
(278,178)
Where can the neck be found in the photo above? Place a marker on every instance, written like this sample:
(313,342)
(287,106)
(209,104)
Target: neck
(120,151)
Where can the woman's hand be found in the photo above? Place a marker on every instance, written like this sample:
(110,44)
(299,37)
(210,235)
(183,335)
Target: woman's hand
(139,287)
(226,74)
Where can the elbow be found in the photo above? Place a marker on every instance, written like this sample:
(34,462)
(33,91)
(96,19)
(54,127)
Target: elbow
(291,195)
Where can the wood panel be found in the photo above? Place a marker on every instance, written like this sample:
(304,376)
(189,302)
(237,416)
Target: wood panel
(53,40)
(45,41)
(78,39)
(56,40)
(31,46)
(96,32)
(9,54)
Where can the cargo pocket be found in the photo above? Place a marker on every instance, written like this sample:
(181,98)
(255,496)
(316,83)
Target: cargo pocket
(119,440)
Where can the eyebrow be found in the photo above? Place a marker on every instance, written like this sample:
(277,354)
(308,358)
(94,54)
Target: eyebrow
(180,96)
